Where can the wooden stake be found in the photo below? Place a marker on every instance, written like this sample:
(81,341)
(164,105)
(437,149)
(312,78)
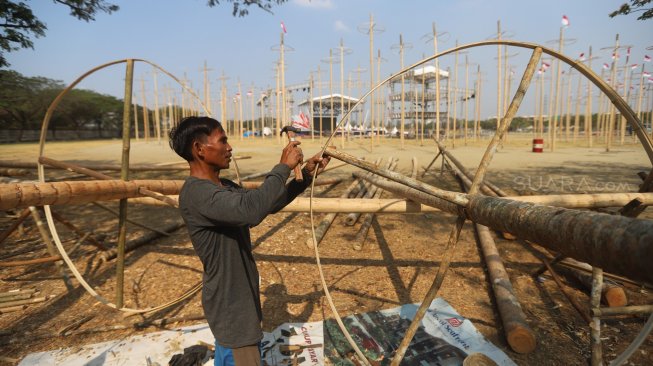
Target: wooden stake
(15,224)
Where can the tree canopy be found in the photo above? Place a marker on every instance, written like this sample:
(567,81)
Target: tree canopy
(633,7)
(18,24)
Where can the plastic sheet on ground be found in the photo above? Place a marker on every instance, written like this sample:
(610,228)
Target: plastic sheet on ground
(444,338)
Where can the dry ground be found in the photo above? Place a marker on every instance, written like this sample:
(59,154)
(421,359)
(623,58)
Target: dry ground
(396,266)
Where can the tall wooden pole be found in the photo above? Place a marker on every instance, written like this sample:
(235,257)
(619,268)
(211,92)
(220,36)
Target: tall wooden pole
(626,94)
(283,85)
(477,104)
(240,112)
(437,84)
(499,59)
(342,92)
(613,81)
(466,96)
(455,98)
(568,107)
(589,118)
(577,112)
(157,117)
(207,88)
(553,127)
(423,105)
(124,175)
(223,102)
(310,106)
(277,103)
(136,120)
(447,128)
(146,119)
(319,85)
(372,97)
(403,97)
(640,93)
(250,94)
(331,86)
(380,102)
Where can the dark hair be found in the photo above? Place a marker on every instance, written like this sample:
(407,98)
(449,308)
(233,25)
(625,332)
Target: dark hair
(188,131)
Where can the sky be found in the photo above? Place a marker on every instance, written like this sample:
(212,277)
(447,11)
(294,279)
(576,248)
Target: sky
(181,36)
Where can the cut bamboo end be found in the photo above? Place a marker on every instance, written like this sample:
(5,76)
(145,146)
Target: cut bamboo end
(521,339)
(615,296)
(478,359)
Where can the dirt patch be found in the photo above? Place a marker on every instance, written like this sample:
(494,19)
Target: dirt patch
(396,265)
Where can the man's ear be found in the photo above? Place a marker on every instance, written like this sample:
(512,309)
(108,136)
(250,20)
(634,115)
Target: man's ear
(198,149)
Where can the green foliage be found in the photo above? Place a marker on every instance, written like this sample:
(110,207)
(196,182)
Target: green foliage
(635,6)
(18,23)
(241,6)
(24,100)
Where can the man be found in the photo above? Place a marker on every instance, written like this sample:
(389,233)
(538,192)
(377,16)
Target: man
(218,214)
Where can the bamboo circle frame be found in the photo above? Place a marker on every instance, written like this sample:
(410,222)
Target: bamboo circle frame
(614,97)
(48,211)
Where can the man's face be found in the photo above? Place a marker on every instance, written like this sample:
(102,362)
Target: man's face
(217,151)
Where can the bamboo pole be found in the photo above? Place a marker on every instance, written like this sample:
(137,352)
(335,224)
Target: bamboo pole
(157,117)
(342,92)
(499,98)
(610,293)
(124,175)
(466,96)
(455,98)
(460,220)
(79,232)
(623,310)
(372,97)
(136,119)
(403,97)
(51,249)
(553,126)
(283,84)
(369,193)
(615,85)
(326,222)
(577,112)
(146,117)
(437,84)
(519,335)
(588,114)
(28,262)
(143,240)
(595,324)
(15,224)
(30,301)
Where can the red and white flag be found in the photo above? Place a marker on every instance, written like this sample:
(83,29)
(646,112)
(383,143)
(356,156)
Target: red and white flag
(650,80)
(582,56)
(647,58)
(565,21)
(283,27)
(301,121)
(249,93)
(540,71)
(606,66)
(646,74)
(633,66)
(545,66)
(628,52)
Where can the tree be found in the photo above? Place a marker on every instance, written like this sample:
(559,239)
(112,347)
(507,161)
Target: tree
(635,6)
(23,100)
(18,24)
(241,6)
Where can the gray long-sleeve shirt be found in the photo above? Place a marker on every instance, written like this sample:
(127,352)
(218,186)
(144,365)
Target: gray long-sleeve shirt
(218,219)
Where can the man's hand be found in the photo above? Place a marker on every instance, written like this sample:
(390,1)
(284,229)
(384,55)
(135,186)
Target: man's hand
(292,155)
(317,162)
